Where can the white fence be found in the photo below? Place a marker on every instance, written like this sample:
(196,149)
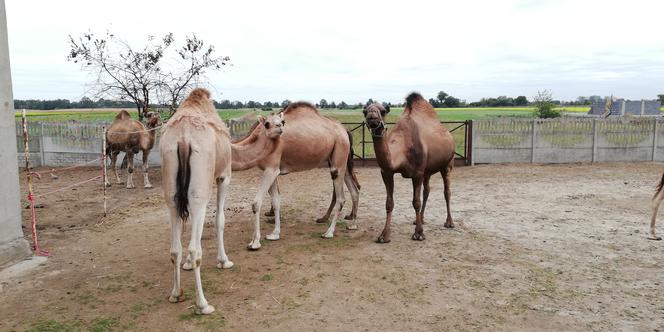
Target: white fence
(568,140)
(73,143)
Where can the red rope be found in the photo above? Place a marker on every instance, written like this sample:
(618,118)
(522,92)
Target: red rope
(35,244)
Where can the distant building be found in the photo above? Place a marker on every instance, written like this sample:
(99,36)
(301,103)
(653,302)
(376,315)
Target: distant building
(632,107)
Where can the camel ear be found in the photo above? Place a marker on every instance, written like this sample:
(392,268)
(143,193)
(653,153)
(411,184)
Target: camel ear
(364,111)
(261,119)
(387,109)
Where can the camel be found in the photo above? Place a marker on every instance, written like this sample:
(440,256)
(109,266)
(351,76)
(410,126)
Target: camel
(656,201)
(315,140)
(195,152)
(131,136)
(418,147)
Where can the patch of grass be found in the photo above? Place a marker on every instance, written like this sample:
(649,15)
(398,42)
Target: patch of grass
(191,316)
(50,325)
(103,324)
(267,277)
(86,297)
(137,307)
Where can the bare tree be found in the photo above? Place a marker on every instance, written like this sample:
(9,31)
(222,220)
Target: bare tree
(140,76)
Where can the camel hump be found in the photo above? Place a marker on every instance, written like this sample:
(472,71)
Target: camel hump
(123,115)
(199,94)
(415,101)
(412,98)
(299,105)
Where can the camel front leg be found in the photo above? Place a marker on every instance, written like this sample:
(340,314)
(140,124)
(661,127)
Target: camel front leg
(146,180)
(276,207)
(448,194)
(340,200)
(197,207)
(355,197)
(425,196)
(222,188)
(176,255)
(130,170)
(388,180)
(269,175)
(656,201)
(271,212)
(417,206)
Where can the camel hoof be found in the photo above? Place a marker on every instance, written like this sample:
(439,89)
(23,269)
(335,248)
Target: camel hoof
(327,235)
(269,213)
(225,265)
(418,237)
(448,225)
(147,186)
(351,227)
(205,311)
(108,184)
(349,217)
(272,237)
(178,298)
(254,245)
(655,238)
(130,186)
(382,239)
(187,266)
(322,220)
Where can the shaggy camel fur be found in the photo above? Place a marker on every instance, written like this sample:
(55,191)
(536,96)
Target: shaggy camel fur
(308,141)
(418,147)
(656,201)
(130,136)
(195,152)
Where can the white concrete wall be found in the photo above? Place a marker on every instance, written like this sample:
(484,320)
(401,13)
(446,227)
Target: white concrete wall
(12,244)
(568,140)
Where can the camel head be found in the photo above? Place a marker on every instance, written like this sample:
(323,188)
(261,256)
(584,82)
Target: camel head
(152,120)
(273,124)
(374,115)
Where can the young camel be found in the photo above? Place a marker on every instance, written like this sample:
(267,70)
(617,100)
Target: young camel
(313,141)
(656,201)
(195,152)
(418,147)
(130,136)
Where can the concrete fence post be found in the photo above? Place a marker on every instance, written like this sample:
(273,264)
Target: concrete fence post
(42,161)
(622,107)
(594,157)
(643,107)
(654,137)
(532,151)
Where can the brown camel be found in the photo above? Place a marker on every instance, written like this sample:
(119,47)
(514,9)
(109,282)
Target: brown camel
(418,147)
(656,201)
(313,141)
(196,152)
(131,136)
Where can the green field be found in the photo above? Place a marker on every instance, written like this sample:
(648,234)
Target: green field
(348,115)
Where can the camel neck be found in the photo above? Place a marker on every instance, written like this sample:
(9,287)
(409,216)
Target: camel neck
(383,156)
(247,155)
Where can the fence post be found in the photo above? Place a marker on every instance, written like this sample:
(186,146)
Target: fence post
(104,179)
(364,158)
(594,156)
(41,146)
(622,107)
(471,138)
(532,151)
(654,138)
(643,107)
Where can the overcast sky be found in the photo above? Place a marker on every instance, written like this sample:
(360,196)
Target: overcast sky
(355,50)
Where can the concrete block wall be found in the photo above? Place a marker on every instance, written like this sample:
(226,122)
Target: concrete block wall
(568,140)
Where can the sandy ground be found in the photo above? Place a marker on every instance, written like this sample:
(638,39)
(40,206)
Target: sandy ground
(537,247)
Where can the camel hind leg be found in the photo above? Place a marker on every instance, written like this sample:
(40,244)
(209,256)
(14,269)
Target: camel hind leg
(114,159)
(130,170)
(656,201)
(425,196)
(146,180)
(333,202)
(355,198)
(339,203)
(446,181)
(222,188)
(417,206)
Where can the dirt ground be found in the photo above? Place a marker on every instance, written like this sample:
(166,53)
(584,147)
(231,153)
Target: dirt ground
(536,247)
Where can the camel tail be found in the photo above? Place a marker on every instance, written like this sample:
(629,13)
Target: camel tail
(660,185)
(350,162)
(182,180)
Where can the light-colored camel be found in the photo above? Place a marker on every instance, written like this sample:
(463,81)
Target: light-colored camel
(656,201)
(309,140)
(131,136)
(196,152)
(418,147)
